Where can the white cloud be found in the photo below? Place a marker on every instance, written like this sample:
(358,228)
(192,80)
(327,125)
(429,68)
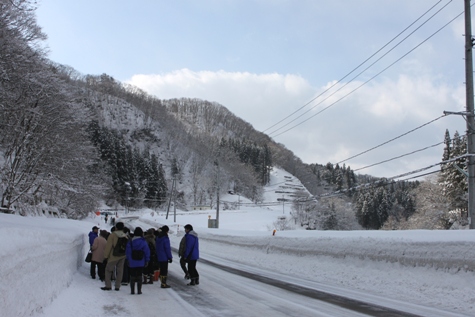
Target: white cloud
(256,98)
(375,113)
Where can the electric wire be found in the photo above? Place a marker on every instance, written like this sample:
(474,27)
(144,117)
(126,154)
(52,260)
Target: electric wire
(389,180)
(407,154)
(418,176)
(391,140)
(364,70)
(431,166)
(400,156)
(375,184)
(354,69)
(373,77)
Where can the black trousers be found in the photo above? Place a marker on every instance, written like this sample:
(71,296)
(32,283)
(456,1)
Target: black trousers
(136,277)
(126,274)
(183,265)
(136,272)
(163,268)
(100,270)
(192,269)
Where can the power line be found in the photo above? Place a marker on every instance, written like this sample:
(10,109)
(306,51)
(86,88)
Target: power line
(390,180)
(354,69)
(397,157)
(379,183)
(418,176)
(393,139)
(407,154)
(373,77)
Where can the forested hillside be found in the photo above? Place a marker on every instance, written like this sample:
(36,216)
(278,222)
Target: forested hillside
(69,142)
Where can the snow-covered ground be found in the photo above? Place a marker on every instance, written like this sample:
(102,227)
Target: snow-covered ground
(429,273)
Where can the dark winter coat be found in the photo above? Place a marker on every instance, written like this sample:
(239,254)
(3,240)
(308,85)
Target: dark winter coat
(191,246)
(137,243)
(153,263)
(182,247)
(92,236)
(162,245)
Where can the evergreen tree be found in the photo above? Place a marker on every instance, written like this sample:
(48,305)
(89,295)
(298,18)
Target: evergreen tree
(452,179)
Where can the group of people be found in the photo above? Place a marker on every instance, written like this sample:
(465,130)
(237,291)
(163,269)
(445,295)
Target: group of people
(134,257)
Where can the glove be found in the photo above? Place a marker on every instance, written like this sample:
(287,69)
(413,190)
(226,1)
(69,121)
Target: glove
(170,260)
(104,262)
(146,264)
(186,260)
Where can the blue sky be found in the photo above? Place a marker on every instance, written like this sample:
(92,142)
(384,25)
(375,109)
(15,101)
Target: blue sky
(265,59)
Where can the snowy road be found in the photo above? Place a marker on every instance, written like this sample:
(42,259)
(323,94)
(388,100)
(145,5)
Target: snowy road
(304,299)
(44,274)
(223,291)
(226,291)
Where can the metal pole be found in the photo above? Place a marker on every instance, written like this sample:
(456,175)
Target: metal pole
(283,202)
(217,195)
(174,203)
(470,118)
(171,197)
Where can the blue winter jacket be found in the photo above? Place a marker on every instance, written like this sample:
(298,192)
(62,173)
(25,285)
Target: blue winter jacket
(192,250)
(162,245)
(137,243)
(92,236)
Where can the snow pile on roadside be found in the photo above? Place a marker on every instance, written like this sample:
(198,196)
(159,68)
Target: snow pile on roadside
(39,257)
(452,251)
(433,268)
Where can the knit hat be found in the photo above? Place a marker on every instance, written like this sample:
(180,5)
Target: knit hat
(189,227)
(165,228)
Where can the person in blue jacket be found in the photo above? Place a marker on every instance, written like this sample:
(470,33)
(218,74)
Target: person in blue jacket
(164,254)
(192,254)
(92,236)
(137,253)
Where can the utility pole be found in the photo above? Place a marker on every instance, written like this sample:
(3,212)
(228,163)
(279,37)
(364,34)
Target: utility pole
(172,194)
(470,114)
(283,204)
(217,193)
(174,202)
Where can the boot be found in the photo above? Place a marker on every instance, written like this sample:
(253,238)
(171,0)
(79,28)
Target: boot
(139,287)
(163,279)
(150,279)
(192,282)
(132,285)
(144,279)
(197,280)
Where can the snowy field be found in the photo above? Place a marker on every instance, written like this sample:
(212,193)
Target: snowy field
(428,273)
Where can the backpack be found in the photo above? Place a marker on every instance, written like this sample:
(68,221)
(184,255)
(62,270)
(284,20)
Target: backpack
(119,248)
(137,255)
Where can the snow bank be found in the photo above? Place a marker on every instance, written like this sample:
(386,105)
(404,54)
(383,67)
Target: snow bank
(429,268)
(38,259)
(453,251)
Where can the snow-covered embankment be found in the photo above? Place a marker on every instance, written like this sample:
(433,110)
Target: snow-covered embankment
(38,259)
